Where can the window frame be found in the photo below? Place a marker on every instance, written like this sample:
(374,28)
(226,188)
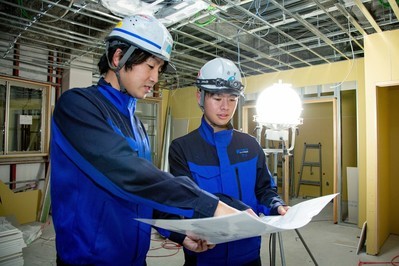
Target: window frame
(45,119)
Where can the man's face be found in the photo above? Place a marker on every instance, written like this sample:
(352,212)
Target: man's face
(219,109)
(140,80)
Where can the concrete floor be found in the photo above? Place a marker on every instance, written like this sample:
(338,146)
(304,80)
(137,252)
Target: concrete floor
(330,244)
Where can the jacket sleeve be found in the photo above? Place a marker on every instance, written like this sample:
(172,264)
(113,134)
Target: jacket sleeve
(177,163)
(109,160)
(266,190)
(177,166)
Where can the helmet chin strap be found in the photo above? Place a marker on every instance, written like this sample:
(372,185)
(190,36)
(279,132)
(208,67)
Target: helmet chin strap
(122,62)
(202,99)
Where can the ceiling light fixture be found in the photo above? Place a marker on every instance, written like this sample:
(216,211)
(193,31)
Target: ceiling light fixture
(179,11)
(123,8)
(168,12)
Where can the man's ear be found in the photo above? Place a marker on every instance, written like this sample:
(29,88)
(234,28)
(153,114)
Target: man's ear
(117,57)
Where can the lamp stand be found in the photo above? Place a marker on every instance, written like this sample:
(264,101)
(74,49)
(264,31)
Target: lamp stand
(283,137)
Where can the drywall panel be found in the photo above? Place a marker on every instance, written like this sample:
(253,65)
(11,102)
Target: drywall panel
(179,127)
(194,123)
(380,49)
(383,170)
(22,205)
(184,103)
(393,96)
(394,56)
(388,144)
(317,128)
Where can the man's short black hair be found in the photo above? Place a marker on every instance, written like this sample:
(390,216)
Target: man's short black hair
(139,56)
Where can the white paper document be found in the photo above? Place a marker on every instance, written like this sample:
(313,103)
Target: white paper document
(243,225)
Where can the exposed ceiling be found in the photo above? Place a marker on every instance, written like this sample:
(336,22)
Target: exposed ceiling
(260,36)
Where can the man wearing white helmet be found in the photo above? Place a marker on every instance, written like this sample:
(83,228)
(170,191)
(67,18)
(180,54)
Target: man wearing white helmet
(102,177)
(224,162)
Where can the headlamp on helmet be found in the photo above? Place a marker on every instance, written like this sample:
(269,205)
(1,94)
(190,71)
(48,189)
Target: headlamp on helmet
(220,75)
(221,84)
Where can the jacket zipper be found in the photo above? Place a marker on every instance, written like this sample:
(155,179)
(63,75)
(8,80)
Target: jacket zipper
(238,184)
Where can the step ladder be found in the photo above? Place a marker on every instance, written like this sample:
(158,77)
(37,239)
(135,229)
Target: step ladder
(311,164)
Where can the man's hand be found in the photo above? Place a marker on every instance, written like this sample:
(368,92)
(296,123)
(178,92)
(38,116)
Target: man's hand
(196,245)
(282,210)
(250,211)
(224,209)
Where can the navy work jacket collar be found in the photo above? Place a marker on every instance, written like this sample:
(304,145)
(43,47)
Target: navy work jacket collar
(119,99)
(221,138)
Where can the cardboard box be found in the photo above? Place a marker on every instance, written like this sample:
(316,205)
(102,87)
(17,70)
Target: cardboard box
(22,205)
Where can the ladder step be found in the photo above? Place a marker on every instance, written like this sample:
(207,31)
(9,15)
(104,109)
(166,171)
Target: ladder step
(316,164)
(312,146)
(311,164)
(310,183)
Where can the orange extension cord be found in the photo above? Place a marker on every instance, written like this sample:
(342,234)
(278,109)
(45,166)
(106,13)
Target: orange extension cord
(394,261)
(165,244)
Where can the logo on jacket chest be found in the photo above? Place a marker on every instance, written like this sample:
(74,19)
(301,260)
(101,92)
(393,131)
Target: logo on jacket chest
(243,153)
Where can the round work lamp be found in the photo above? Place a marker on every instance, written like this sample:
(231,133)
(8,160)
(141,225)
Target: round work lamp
(279,107)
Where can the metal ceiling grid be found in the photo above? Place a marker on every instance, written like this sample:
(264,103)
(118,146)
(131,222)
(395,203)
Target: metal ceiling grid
(260,36)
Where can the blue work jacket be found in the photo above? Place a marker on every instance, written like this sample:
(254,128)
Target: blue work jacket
(102,179)
(231,163)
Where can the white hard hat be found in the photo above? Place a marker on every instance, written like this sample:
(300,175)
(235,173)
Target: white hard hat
(146,33)
(220,75)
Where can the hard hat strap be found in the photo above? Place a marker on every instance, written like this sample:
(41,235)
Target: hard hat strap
(126,56)
(122,62)
(202,99)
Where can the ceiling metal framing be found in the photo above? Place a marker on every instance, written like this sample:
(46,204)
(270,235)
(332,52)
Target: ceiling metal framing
(260,36)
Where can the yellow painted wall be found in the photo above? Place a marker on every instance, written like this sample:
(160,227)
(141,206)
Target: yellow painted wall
(317,128)
(388,144)
(383,169)
(393,159)
(381,69)
(308,76)
(184,105)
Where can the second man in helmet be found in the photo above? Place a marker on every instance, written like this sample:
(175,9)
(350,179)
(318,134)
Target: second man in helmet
(225,162)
